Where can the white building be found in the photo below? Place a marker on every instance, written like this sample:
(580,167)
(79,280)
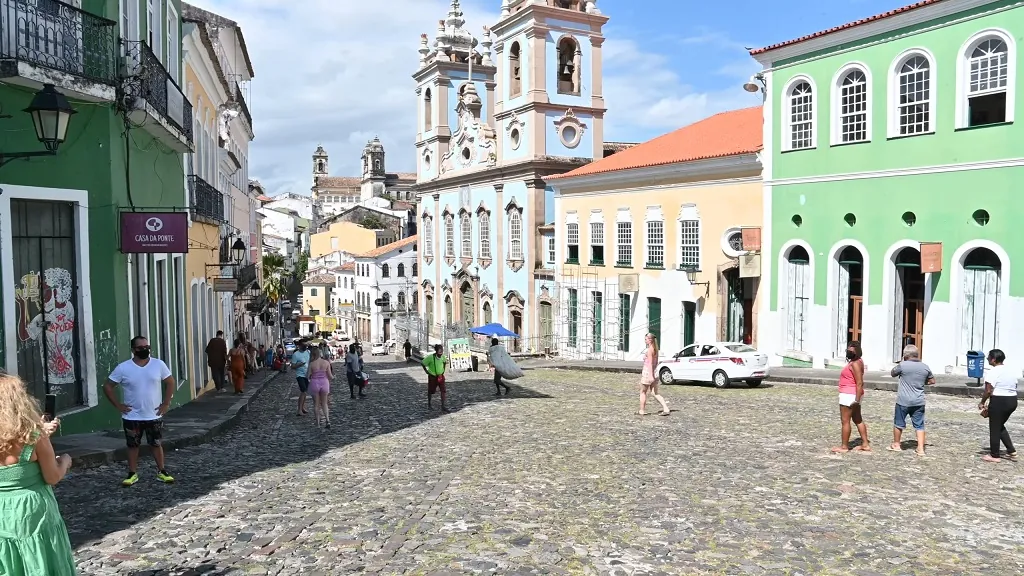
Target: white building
(388,274)
(344,296)
(301,205)
(336,194)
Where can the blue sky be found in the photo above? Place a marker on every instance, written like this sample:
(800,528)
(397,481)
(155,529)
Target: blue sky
(338,72)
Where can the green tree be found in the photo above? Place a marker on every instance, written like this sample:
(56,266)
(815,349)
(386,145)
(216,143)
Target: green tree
(273,276)
(373,222)
(302,266)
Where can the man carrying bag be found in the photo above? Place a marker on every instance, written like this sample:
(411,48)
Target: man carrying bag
(434,366)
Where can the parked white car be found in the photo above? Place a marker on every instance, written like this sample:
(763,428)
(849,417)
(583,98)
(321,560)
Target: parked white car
(719,363)
(382,348)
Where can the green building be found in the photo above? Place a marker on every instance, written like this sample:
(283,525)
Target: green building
(71,299)
(890,166)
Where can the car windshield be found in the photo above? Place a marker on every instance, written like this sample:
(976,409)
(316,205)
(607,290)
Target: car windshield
(740,348)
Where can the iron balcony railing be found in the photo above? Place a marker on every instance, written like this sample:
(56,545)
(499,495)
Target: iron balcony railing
(243,105)
(207,201)
(57,35)
(161,91)
(246,275)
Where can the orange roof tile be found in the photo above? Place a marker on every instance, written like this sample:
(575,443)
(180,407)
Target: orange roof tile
(724,134)
(846,26)
(389,247)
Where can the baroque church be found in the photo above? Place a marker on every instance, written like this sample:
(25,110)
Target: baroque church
(496,116)
(376,188)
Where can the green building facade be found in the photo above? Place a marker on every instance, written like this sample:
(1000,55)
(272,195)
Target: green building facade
(71,300)
(892,180)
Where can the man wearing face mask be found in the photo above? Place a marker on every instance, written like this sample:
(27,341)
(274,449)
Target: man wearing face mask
(143,405)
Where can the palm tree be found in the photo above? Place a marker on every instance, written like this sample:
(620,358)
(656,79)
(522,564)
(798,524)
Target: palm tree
(273,273)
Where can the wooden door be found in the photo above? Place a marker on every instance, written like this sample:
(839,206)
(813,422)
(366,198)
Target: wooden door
(913,323)
(856,305)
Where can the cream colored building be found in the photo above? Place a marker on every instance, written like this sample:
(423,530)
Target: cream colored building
(347,237)
(652,240)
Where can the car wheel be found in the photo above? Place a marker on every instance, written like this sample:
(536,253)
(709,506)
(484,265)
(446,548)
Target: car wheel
(666,376)
(720,379)
(754,383)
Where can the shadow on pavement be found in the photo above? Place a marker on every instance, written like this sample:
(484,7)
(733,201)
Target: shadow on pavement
(269,435)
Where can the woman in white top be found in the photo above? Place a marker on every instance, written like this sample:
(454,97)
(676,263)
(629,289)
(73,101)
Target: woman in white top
(1001,393)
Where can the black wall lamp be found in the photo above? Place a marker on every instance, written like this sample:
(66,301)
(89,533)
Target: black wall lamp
(691,276)
(51,112)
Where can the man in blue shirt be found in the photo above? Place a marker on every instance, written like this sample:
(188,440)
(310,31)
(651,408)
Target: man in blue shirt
(300,362)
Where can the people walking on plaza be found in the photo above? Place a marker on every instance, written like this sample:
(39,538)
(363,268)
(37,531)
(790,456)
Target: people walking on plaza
(237,359)
(851,390)
(434,365)
(1001,395)
(648,382)
(914,375)
(261,356)
(300,362)
(33,536)
(408,350)
(320,376)
(502,365)
(354,372)
(217,359)
(143,405)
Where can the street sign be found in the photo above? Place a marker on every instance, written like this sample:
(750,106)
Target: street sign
(380,302)
(221,284)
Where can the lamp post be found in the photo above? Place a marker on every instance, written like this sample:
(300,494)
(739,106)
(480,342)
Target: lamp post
(51,113)
(238,251)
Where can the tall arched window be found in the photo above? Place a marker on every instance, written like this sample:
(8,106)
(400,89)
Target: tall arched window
(914,96)
(428,237)
(800,116)
(569,57)
(428,112)
(515,71)
(986,80)
(515,235)
(415,301)
(488,313)
(466,225)
(485,234)
(401,300)
(415,270)
(851,107)
(401,270)
(449,236)
(385,271)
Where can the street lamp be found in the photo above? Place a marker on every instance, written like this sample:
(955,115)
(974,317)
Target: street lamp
(691,277)
(51,113)
(756,84)
(238,251)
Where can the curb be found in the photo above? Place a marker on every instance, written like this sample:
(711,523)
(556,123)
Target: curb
(226,422)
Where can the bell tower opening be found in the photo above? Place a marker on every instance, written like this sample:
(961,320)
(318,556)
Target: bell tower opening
(569,56)
(515,76)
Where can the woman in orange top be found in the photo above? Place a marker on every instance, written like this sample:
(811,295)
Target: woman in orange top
(237,361)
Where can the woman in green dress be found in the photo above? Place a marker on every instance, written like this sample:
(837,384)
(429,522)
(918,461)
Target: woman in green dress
(33,538)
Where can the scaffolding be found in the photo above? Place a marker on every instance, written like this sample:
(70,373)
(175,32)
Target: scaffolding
(587,315)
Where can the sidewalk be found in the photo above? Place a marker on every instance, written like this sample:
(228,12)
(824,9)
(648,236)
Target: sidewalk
(196,422)
(945,384)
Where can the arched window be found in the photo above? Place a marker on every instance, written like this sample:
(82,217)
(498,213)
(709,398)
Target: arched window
(415,301)
(449,236)
(515,235)
(485,234)
(385,271)
(800,133)
(515,70)
(851,107)
(467,235)
(986,80)
(448,311)
(428,112)
(401,270)
(914,96)
(401,300)
(415,270)
(488,314)
(569,57)
(428,237)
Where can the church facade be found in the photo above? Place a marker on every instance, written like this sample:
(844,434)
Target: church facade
(333,195)
(491,128)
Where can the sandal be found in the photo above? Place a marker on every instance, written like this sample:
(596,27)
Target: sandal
(639,413)
(893,448)
(664,413)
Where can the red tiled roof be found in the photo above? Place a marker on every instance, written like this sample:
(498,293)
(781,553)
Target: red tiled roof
(389,247)
(724,134)
(846,26)
(264,198)
(347,267)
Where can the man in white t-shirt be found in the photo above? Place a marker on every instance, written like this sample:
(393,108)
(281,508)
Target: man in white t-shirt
(143,405)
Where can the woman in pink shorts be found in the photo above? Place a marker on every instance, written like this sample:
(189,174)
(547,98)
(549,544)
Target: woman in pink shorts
(851,390)
(320,375)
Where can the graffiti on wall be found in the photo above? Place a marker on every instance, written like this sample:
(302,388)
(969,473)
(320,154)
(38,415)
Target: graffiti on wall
(46,319)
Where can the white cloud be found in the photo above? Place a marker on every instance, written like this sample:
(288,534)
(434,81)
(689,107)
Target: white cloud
(338,72)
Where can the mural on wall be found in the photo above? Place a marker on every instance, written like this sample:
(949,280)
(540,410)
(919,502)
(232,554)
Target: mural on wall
(46,318)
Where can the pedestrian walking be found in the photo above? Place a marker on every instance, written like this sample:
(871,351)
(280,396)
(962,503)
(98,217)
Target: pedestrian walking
(141,406)
(320,376)
(434,365)
(300,362)
(354,372)
(914,375)
(1001,394)
(851,391)
(408,350)
(261,356)
(503,366)
(648,383)
(217,359)
(238,362)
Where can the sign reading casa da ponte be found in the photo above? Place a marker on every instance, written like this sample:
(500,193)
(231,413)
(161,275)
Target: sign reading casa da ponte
(154,232)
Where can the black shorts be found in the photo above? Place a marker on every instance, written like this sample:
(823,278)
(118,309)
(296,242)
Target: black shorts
(303,383)
(134,429)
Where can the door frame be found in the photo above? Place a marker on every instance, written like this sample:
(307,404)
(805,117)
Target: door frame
(80,201)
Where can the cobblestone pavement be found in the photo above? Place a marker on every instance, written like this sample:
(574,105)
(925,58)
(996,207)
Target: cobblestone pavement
(560,478)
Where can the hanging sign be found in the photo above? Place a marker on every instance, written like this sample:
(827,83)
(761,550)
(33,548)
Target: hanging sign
(751,238)
(750,266)
(154,232)
(931,257)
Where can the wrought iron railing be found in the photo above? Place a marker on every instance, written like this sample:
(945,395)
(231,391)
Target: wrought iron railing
(241,104)
(57,35)
(206,200)
(246,275)
(162,92)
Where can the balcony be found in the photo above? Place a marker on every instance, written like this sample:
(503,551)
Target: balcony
(243,106)
(207,203)
(47,41)
(246,275)
(159,97)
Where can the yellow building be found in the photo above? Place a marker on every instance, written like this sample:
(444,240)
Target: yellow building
(316,297)
(662,238)
(347,237)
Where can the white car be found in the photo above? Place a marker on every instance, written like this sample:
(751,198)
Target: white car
(717,362)
(382,348)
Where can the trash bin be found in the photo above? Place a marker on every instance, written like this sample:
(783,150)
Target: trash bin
(476,363)
(975,364)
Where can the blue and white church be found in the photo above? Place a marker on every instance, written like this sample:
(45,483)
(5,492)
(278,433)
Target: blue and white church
(491,128)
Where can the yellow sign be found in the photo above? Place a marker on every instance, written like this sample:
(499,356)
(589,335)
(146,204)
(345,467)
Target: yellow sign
(326,324)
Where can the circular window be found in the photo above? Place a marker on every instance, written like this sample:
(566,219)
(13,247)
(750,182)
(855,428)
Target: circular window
(797,220)
(732,243)
(570,136)
(850,219)
(909,218)
(980,217)
(515,136)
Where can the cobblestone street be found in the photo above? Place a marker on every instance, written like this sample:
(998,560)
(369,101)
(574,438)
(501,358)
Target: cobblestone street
(560,478)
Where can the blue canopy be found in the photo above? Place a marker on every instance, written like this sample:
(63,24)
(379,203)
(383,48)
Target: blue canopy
(494,329)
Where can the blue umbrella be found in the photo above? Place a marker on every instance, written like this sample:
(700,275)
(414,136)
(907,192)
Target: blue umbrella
(494,329)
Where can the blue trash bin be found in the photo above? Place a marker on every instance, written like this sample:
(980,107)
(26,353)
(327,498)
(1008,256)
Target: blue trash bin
(975,365)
